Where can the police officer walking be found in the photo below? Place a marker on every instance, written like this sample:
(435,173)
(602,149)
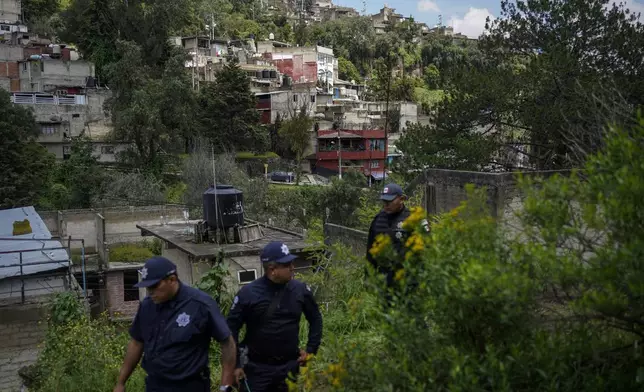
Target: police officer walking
(271,308)
(389,221)
(172,330)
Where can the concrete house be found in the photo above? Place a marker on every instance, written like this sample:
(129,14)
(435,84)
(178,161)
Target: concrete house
(196,245)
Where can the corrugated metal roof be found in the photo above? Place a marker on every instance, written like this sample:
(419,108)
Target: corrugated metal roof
(58,258)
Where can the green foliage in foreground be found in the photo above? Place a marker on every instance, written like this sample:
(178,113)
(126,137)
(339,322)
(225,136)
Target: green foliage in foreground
(549,300)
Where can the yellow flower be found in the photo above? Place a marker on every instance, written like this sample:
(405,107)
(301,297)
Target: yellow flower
(415,217)
(381,242)
(399,274)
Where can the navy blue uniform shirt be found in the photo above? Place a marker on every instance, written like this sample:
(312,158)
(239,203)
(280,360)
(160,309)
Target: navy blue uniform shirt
(176,334)
(277,339)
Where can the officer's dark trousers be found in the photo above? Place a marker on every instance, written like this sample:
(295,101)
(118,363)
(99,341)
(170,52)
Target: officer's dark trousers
(268,378)
(195,384)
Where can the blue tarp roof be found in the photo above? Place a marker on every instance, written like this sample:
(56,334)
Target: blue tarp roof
(57,259)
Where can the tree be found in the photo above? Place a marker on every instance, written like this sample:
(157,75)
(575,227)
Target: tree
(432,76)
(529,92)
(229,115)
(25,164)
(154,114)
(297,133)
(34,10)
(80,175)
(348,71)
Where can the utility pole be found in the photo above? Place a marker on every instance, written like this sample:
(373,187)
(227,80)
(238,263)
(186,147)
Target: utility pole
(339,155)
(389,69)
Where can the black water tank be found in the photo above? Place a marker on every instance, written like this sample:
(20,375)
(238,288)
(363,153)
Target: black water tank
(266,74)
(230,207)
(258,74)
(273,74)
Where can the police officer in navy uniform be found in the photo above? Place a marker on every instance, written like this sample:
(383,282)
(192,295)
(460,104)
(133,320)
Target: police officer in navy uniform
(389,221)
(271,308)
(172,329)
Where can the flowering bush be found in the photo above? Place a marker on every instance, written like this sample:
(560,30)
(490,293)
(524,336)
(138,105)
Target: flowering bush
(550,300)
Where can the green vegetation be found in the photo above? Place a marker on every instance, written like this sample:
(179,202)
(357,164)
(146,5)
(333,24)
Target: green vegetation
(24,163)
(546,300)
(252,155)
(536,92)
(135,252)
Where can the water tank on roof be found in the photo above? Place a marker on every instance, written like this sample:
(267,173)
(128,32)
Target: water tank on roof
(223,207)
(271,36)
(266,74)
(258,74)
(56,50)
(73,55)
(273,74)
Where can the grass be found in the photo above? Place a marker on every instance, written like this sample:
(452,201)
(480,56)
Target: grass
(134,252)
(252,155)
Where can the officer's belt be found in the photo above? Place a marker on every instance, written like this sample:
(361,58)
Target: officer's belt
(269,359)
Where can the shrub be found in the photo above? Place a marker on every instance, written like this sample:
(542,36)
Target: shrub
(83,355)
(553,304)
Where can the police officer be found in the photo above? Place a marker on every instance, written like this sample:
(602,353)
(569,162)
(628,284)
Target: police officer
(271,308)
(389,221)
(172,329)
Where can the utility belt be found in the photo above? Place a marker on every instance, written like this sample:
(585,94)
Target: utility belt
(269,359)
(161,380)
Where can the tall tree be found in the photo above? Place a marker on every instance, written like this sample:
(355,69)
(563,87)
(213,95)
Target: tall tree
(81,175)
(154,114)
(25,164)
(297,131)
(529,95)
(229,116)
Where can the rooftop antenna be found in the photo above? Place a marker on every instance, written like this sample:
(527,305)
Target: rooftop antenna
(214,183)
(364,7)
(440,21)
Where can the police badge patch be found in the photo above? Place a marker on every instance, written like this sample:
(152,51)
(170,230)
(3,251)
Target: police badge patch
(183,319)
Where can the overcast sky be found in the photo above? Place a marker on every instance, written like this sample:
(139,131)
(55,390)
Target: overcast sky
(466,16)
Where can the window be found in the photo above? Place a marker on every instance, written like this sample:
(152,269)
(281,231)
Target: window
(48,129)
(42,66)
(247,276)
(130,278)
(107,150)
(24,66)
(75,115)
(312,98)
(294,98)
(5,28)
(375,164)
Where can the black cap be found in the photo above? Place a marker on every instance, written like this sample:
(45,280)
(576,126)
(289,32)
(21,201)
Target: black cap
(390,192)
(155,270)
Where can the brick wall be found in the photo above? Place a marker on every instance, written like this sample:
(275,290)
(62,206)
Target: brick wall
(117,306)
(21,333)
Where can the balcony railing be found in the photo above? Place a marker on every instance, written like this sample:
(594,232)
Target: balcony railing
(351,155)
(47,99)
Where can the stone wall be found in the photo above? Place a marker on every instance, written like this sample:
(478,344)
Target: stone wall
(444,190)
(22,330)
(354,239)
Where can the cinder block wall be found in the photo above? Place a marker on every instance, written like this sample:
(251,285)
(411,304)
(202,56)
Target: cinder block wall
(22,330)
